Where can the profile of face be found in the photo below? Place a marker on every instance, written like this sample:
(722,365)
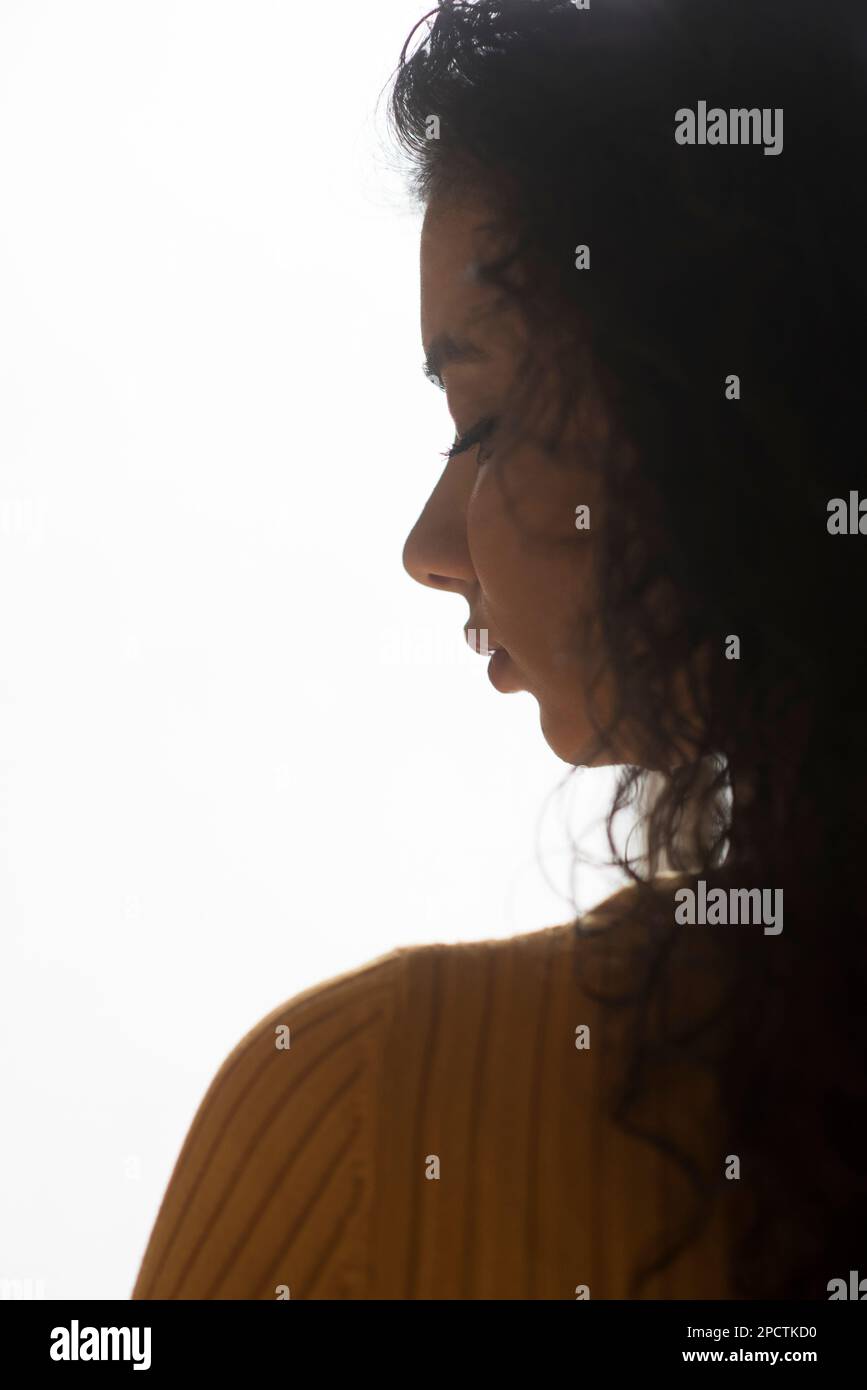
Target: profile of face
(500,526)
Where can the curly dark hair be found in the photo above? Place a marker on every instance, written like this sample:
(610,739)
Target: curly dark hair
(705,262)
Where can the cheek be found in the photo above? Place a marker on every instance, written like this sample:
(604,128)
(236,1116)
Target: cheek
(534,569)
(532,564)
(497,548)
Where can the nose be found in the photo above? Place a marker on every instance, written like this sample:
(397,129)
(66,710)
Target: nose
(435,552)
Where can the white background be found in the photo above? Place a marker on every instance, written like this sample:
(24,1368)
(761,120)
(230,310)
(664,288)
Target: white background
(240,750)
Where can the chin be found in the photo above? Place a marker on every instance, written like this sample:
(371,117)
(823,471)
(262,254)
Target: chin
(563,738)
(574,741)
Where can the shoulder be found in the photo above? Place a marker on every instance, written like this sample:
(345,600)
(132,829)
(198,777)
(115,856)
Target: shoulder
(265,1199)
(278,1187)
(299,1176)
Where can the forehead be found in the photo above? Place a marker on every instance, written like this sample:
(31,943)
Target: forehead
(453,239)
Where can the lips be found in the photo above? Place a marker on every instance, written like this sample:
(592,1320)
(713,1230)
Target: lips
(503,673)
(479,638)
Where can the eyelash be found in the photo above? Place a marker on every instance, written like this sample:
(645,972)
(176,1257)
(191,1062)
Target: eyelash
(476,435)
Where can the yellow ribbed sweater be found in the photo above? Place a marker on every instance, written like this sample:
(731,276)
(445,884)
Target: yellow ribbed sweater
(430,1132)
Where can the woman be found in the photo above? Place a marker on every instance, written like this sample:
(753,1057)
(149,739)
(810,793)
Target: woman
(642,290)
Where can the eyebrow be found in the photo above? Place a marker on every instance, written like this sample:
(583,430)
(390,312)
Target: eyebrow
(445,348)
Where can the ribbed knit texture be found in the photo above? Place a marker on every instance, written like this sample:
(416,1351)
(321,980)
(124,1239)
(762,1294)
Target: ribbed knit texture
(307,1167)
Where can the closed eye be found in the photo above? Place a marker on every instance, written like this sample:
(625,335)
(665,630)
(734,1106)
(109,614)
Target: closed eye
(471,437)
